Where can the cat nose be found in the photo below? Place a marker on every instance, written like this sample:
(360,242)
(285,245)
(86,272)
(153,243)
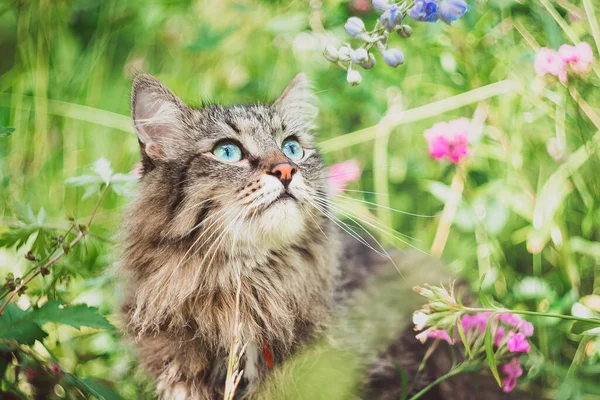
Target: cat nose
(284,171)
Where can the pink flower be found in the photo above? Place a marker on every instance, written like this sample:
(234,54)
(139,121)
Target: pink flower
(526,328)
(449,139)
(548,61)
(510,319)
(341,174)
(439,334)
(476,321)
(512,370)
(577,58)
(517,343)
(499,336)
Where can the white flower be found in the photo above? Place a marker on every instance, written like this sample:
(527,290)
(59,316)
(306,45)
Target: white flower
(345,53)
(354,26)
(354,77)
(420,319)
(360,56)
(370,63)
(381,5)
(331,53)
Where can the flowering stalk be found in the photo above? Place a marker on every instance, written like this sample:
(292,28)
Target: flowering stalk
(390,22)
(490,334)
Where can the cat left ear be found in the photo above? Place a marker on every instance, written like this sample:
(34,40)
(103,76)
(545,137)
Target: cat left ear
(296,104)
(157,118)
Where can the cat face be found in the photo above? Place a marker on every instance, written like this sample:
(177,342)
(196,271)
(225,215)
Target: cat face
(239,175)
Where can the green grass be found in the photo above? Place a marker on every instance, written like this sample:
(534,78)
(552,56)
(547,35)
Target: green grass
(527,225)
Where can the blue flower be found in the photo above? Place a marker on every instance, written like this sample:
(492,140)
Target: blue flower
(393,57)
(391,17)
(424,10)
(354,26)
(381,5)
(451,10)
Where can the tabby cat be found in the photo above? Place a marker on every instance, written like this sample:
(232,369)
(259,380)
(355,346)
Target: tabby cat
(237,197)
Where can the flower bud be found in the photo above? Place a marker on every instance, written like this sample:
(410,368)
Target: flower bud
(354,26)
(381,5)
(405,31)
(391,17)
(370,63)
(360,56)
(421,320)
(354,77)
(393,57)
(345,53)
(331,54)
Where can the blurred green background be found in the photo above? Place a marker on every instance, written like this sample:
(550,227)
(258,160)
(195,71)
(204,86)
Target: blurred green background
(527,222)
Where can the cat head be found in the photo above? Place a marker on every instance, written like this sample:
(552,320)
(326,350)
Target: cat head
(251,172)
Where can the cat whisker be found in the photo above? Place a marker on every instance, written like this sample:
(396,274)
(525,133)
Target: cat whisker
(344,227)
(385,207)
(326,202)
(384,231)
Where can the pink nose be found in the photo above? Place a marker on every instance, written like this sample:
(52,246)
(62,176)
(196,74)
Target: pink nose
(284,171)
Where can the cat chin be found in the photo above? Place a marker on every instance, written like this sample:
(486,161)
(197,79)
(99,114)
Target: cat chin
(280,223)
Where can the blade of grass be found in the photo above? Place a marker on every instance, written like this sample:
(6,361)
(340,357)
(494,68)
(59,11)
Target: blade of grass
(423,112)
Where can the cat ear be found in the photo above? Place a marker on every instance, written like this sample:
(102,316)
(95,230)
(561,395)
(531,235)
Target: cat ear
(157,118)
(296,104)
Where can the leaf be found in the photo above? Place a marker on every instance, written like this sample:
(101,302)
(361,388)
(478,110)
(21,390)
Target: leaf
(584,328)
(585,247)
(484,300)
(5,131)
(76,316)
(84,180)
(403,381)
(489,350)
(94,388)
(16,325)
(463,337)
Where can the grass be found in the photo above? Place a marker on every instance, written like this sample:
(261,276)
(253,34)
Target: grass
(527,221)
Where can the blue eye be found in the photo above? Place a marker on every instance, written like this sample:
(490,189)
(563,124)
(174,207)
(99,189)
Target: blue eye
(292,149)
(228,152)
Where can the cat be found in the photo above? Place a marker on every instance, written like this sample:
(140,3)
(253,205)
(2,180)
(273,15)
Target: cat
(237,198)
(227,195)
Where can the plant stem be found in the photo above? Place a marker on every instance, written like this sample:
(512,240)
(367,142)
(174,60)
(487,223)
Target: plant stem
(58,255)
(531,313)
(454,371)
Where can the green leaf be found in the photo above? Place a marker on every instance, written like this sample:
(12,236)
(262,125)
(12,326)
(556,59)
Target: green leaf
(76,316)
(16,325)
(94,388)
(5,131)
(489,350)
(403,381)
(463,337)
(583,328)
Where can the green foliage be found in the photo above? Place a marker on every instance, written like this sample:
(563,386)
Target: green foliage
(6,131)
(526,231)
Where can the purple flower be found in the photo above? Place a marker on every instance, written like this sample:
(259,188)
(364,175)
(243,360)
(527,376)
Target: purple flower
(391,18)
(512,370)
(439,334)
(424,10)
(451,10)
(354,26)
(526,328)
(499,336)
(510,319)
(381,5)
(393,57)
(517,343)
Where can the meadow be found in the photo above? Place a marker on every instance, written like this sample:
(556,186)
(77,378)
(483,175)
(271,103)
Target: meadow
(517,216)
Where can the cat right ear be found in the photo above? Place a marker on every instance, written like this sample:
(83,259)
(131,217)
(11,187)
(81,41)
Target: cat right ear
(157,118)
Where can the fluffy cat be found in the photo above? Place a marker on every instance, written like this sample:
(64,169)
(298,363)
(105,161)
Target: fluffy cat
(226,194)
